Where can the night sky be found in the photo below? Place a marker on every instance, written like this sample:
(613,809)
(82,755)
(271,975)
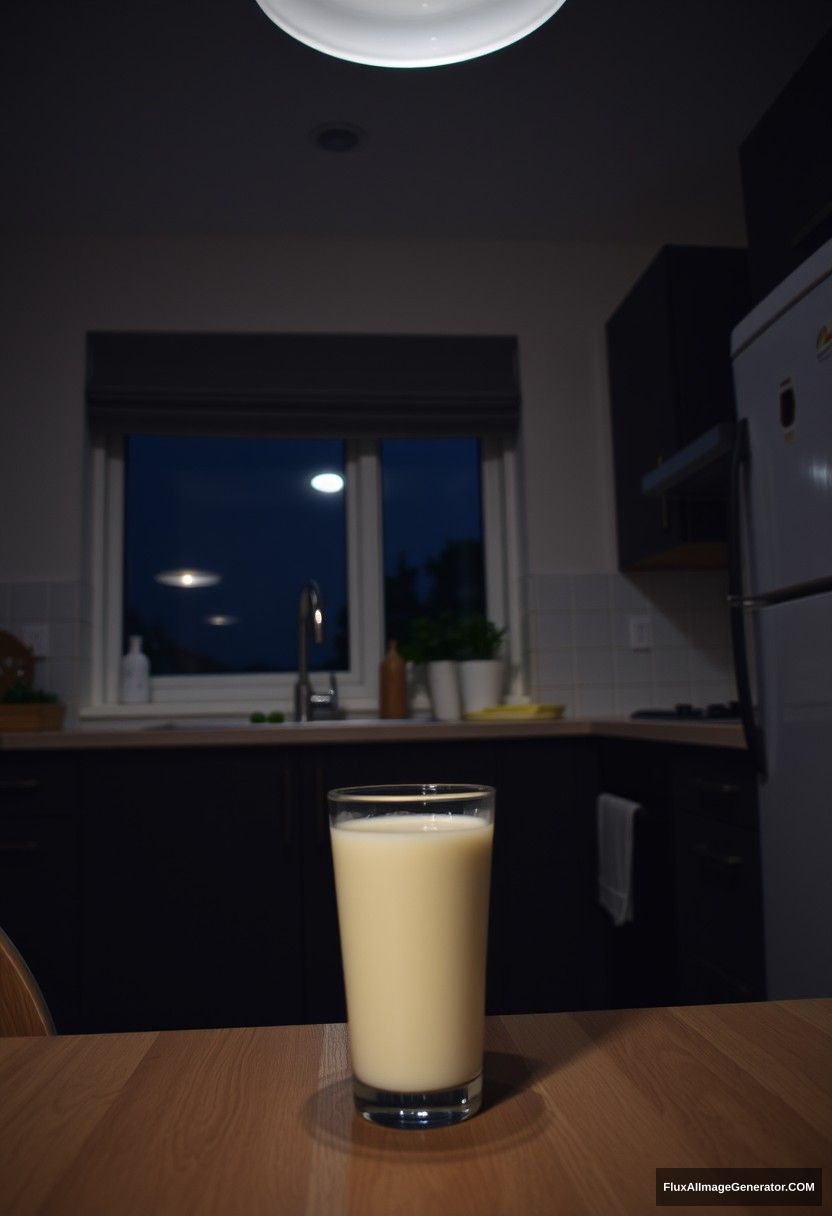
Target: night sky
(244,509)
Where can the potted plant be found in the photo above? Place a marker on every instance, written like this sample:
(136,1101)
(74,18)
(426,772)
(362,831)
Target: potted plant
(481,670)
(432,641)
(25,708)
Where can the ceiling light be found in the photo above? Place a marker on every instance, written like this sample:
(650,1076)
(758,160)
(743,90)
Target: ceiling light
(187,578)
(327,483)
(219,619)
(408,33)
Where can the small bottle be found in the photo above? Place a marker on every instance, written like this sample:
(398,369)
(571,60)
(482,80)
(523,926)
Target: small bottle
(392,684)
(135,675)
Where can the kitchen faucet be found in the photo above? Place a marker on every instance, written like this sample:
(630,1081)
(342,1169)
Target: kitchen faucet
(311,608)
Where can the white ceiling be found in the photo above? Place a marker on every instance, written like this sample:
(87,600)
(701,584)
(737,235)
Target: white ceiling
(617,120)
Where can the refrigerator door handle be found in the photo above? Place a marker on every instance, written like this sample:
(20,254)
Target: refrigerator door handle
(738,601)
(748,601)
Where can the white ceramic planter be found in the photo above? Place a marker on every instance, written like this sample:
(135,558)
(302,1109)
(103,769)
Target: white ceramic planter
(443,686)
(481,683)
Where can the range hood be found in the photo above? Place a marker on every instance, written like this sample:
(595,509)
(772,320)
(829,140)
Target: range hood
(698,471)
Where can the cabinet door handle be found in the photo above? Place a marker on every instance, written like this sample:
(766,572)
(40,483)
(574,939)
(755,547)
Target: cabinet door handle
(14,785)
(723,860)
(719,789)
(19,846)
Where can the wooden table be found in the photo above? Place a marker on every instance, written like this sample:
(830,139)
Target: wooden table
(581,1109)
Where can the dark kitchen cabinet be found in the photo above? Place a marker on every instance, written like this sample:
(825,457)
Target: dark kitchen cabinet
(209,896)
(717,879)
(546,932)
(191,889)
(641,955)
(39,874)
(787,175)
(668,347)
(697,932)
(166,887)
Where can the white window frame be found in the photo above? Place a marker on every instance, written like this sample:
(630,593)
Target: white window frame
(234,695)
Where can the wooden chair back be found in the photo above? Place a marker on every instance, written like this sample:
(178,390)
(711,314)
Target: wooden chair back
(23,1011)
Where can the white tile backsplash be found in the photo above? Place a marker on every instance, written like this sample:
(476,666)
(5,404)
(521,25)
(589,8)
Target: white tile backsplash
(553,593)
(594,702)
(30,602)
(628,697)
(578,644)
(592,629)
(556,667)
(58,605)
(576,638)
(711,666)
(633,666)
(594,667)
(63,601)
(553,694)
(591,593)
(553,630)
(672,666)
(63,639)
(670,631)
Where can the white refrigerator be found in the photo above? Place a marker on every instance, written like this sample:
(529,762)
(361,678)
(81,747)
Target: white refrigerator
(781,611)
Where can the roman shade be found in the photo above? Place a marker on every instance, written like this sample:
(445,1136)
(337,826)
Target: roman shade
(301,385)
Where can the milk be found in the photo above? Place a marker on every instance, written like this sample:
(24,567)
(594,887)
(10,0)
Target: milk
(413,914)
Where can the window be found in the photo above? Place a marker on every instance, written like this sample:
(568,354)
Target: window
(432,526)
(219,535)
(206,524)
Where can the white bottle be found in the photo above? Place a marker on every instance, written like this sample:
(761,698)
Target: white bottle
(135,675)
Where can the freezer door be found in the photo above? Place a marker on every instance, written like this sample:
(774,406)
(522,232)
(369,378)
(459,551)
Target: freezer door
(783,381)
(794,652)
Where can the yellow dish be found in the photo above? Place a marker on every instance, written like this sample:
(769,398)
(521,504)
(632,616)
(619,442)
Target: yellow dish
(515,713)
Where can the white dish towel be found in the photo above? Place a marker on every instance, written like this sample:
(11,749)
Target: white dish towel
(616,820)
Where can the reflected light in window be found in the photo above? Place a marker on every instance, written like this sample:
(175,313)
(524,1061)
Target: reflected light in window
(219,619)
(187,578)
(327,483)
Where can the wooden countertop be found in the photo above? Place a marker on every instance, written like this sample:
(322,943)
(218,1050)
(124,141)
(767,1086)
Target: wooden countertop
(580,1110)
(705,734)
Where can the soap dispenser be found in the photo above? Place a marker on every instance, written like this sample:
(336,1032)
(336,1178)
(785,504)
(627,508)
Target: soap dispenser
(135,675)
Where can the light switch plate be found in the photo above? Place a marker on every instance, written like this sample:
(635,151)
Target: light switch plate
(641,632)
(36,636)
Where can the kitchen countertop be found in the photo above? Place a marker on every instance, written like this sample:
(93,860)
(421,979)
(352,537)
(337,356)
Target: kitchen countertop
(703,733)
(580,1109)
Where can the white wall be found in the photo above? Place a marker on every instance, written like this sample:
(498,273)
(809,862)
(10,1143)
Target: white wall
(555,298)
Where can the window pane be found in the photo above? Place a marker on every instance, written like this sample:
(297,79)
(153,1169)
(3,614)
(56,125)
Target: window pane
(433,548)
(242,510)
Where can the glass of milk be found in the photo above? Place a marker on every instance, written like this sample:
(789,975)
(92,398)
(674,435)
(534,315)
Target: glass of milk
(412,875)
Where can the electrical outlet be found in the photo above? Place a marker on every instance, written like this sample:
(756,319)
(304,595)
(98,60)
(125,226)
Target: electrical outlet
(35,635)
(641,632)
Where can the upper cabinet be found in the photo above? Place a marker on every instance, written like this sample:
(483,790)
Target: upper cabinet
(668,346)
(787,174)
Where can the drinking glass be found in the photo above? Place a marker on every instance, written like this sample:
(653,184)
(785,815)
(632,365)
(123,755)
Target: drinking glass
(412,876)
